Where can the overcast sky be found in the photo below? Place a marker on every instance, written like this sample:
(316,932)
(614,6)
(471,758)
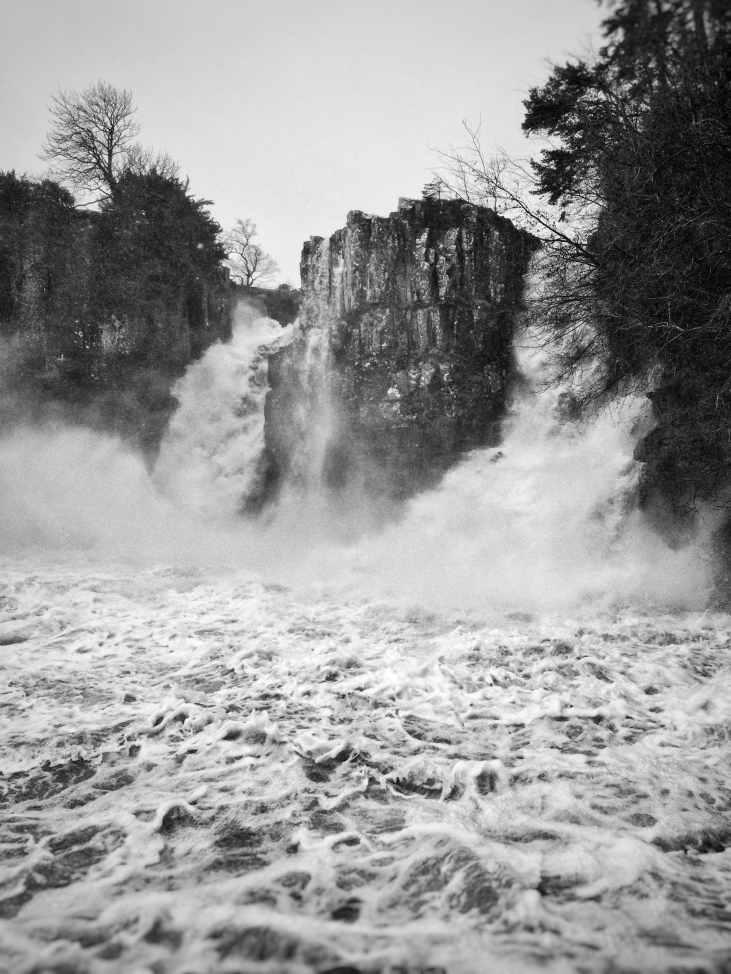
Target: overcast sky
(291,112)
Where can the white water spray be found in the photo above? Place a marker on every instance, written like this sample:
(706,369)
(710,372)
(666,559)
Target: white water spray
(545,522)
(209,458)
(224,772)
(542,524)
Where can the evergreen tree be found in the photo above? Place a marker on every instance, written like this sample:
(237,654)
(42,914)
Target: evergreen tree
(639,165)
(157,224)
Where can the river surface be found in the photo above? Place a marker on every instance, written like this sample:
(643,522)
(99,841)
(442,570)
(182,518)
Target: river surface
(204,772)
(488,733)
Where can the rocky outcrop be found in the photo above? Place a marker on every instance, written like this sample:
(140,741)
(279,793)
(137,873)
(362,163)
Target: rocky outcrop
(685,461)
(404,352)
(280,303)
(90,325)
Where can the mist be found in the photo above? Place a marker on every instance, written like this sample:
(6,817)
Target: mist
(463,724)
(546,522)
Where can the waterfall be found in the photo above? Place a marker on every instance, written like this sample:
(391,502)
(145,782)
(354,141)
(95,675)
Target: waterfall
(315,414)
(476,731)
(546,521)
(210,458)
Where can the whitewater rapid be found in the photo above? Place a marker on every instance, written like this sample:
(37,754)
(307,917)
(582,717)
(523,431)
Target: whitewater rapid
(493,734)
(216,774)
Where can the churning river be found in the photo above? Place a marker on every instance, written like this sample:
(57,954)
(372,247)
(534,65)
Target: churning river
(488,733)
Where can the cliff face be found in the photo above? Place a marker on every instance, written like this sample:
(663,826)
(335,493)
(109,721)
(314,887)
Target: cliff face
(87,319)
(405,348)
(685,461)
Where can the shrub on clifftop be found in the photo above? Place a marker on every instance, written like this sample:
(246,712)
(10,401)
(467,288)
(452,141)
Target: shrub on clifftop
(154,231)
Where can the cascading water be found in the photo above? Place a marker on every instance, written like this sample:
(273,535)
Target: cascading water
(209,460)
(208,771)
(315,416)
(546,522)
(543,523)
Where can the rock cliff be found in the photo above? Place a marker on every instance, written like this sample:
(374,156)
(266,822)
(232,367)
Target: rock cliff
(95,321)
(404,353)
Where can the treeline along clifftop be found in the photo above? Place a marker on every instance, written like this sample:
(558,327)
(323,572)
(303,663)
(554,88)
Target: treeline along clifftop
(100,311)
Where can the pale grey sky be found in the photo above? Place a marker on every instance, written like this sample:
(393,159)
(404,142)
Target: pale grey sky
(291,112)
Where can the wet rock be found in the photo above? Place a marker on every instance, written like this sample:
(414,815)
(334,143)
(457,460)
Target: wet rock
(405,349)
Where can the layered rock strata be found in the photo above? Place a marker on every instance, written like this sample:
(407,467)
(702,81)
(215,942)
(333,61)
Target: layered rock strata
(405,348)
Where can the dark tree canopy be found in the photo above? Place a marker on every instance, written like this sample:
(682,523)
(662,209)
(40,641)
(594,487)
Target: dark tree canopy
(647,39)
(631,200)
(640,142)
(156,222)
(18,195)
(51,209)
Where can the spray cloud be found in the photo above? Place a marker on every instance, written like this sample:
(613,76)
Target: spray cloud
(542,524)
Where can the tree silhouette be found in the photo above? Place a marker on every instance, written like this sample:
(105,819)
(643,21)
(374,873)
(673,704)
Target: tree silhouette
(248,262)
(631,198)
(92,140)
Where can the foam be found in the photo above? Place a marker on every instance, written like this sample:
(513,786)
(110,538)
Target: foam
(212,771)
(494,733)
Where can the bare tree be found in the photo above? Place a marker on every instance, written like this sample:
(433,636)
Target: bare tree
(92,140)
(247,261)
(509,186)
(563,295)
(93,131)
(630,201)
(140,160)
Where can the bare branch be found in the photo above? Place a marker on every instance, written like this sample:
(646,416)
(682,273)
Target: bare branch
(141,159)
(248,262)
(92,132)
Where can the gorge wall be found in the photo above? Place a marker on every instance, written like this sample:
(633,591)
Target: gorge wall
(404,353)
(98,312)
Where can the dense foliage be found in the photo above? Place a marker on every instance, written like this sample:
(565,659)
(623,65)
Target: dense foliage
(39,211)
(52,205)
(155,239)
(18,195)
(101,311)
(639,166)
